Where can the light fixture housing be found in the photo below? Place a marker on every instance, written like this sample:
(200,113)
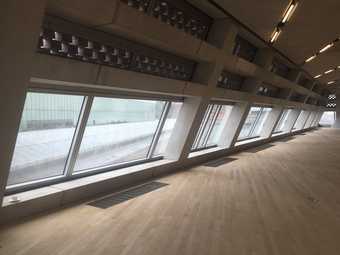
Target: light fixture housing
(310,58)
(289,11)
(317,76)
(330,82)
(275,35)
(328,46)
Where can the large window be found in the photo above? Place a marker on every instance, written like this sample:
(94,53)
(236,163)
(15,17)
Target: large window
(299,120)
(211,128)
(46,131)
(118,131)
(62,135)
(283,121)
(254,123)
(327,119)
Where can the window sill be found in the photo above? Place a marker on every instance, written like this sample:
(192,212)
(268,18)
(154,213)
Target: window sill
(279,133)
(250,140)
(59,189)
(204,152)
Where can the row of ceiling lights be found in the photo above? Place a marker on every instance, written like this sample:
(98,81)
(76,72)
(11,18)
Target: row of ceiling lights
(278,29)
(326,72)
(325,48)
(287,15)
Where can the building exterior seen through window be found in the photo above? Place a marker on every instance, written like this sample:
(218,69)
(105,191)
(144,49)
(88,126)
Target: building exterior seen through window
(327,119)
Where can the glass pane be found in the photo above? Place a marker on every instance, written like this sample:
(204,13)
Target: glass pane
(220,123)
(207,129)
(327,119)
(46,131)
(212,125)
(249,123)
(168,128)
(299,120)
(283,122)
(118,131)
(261,121)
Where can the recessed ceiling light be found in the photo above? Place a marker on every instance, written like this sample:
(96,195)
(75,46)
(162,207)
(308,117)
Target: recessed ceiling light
(329,71)
(310,58)
(317,76)
(275,35)
(289,12)
(330,45)
(330,82)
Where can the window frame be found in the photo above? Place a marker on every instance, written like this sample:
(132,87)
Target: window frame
(197,141)
(294,128)
(69,172)
(254,124)
(285,113)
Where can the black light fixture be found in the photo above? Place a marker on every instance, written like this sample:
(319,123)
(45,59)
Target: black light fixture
(285,18)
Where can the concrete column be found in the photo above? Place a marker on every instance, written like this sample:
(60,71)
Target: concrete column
(187,125)
(271,122)
(337,110)
(234,125)
(294,76)
(264,58)
(292,117)
(318,118)
(223,36)
(20,23)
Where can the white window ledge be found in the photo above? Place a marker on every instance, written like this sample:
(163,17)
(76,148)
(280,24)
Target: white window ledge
(249,141)
(24,197)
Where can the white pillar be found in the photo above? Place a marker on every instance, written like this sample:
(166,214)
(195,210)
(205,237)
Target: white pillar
(337,110)
(20,23)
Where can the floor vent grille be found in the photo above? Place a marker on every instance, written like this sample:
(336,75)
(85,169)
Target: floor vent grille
(129,194)
(219,162)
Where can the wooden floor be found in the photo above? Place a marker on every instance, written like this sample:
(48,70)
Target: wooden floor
(284,200)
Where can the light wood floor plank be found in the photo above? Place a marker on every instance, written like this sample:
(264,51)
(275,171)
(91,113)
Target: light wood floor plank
(283,200)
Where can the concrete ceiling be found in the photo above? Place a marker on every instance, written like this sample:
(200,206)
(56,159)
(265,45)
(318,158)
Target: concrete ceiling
(314,24)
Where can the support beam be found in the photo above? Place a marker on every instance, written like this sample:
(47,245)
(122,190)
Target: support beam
(337,110)
(193,110)
(19,27)
(234,125)
(271,122)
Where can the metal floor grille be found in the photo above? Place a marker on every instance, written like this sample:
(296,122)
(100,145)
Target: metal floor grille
(219,162)
(118,198)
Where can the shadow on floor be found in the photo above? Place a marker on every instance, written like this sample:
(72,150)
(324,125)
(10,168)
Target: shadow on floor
(260,148)
(287,139)
(219,162)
